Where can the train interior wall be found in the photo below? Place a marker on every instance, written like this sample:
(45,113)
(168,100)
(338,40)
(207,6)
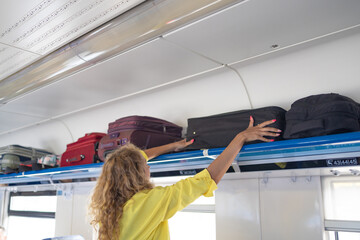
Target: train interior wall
(278,209)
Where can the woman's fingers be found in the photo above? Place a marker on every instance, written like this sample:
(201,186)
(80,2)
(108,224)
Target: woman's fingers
(260,131)
(251,123)
(270,129)
(267,123)
(265,139)
(188,142)
(270,134)
(182,144)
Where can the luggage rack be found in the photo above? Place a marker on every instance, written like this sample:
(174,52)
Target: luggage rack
(340,150)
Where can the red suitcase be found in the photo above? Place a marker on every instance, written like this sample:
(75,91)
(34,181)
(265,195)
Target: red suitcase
(83,151)
(144,132)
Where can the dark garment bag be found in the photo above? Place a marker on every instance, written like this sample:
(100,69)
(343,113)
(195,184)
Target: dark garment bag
(218,130)
(144,132)
(322,114)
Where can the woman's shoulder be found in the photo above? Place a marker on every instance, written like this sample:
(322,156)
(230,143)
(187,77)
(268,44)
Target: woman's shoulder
(143,194)
(149,192)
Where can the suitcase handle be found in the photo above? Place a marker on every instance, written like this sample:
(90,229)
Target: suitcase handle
(75,159)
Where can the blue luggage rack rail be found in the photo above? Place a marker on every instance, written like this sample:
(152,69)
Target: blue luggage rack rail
(339,146)
(51,175)
(344,145)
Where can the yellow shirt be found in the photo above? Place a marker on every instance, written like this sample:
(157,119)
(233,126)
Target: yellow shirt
(146,213)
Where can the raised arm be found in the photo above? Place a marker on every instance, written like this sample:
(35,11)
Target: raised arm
(171,147)
(221,164)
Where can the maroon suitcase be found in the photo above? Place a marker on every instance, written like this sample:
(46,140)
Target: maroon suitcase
(83,151)
(144,132)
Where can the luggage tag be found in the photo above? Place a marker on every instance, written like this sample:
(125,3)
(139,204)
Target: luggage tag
(49,160)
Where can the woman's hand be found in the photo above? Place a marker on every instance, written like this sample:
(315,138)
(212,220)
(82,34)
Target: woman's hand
(258,132)
(178,146)
(175,146)
(221,164)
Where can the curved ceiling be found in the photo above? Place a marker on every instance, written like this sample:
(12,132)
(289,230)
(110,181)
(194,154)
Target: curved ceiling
(234,35)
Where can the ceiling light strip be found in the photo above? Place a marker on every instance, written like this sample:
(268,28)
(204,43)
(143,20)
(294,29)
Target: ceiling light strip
(141,24)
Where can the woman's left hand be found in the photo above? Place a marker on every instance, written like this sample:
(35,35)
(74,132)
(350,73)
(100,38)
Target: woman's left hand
(180,145)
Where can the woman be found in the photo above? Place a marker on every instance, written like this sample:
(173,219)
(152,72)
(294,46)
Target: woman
(126,205)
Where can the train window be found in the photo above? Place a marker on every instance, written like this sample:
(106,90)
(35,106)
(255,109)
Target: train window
(335,235)
(341,198)
(342,230)
(31,215)
(341,207)
(196,221)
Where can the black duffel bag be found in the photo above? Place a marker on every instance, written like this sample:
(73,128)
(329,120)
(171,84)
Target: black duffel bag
(218,130)
(322,114)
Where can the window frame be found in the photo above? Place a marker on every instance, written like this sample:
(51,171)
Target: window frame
(33,214)
(342,226)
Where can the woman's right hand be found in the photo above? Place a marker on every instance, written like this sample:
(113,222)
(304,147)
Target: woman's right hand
(221,164)
(259,131)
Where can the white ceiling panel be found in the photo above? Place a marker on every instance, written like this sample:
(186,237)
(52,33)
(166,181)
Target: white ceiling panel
(328,67)
(253,27)
(10,121)
(43,26)
(12,59)
(152,64)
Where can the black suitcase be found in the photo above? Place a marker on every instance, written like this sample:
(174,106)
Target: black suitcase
(322,114)
(218,130)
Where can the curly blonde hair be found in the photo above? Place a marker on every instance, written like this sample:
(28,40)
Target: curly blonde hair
(123,175)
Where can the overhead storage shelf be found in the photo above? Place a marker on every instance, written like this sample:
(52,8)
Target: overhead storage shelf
(341,150)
